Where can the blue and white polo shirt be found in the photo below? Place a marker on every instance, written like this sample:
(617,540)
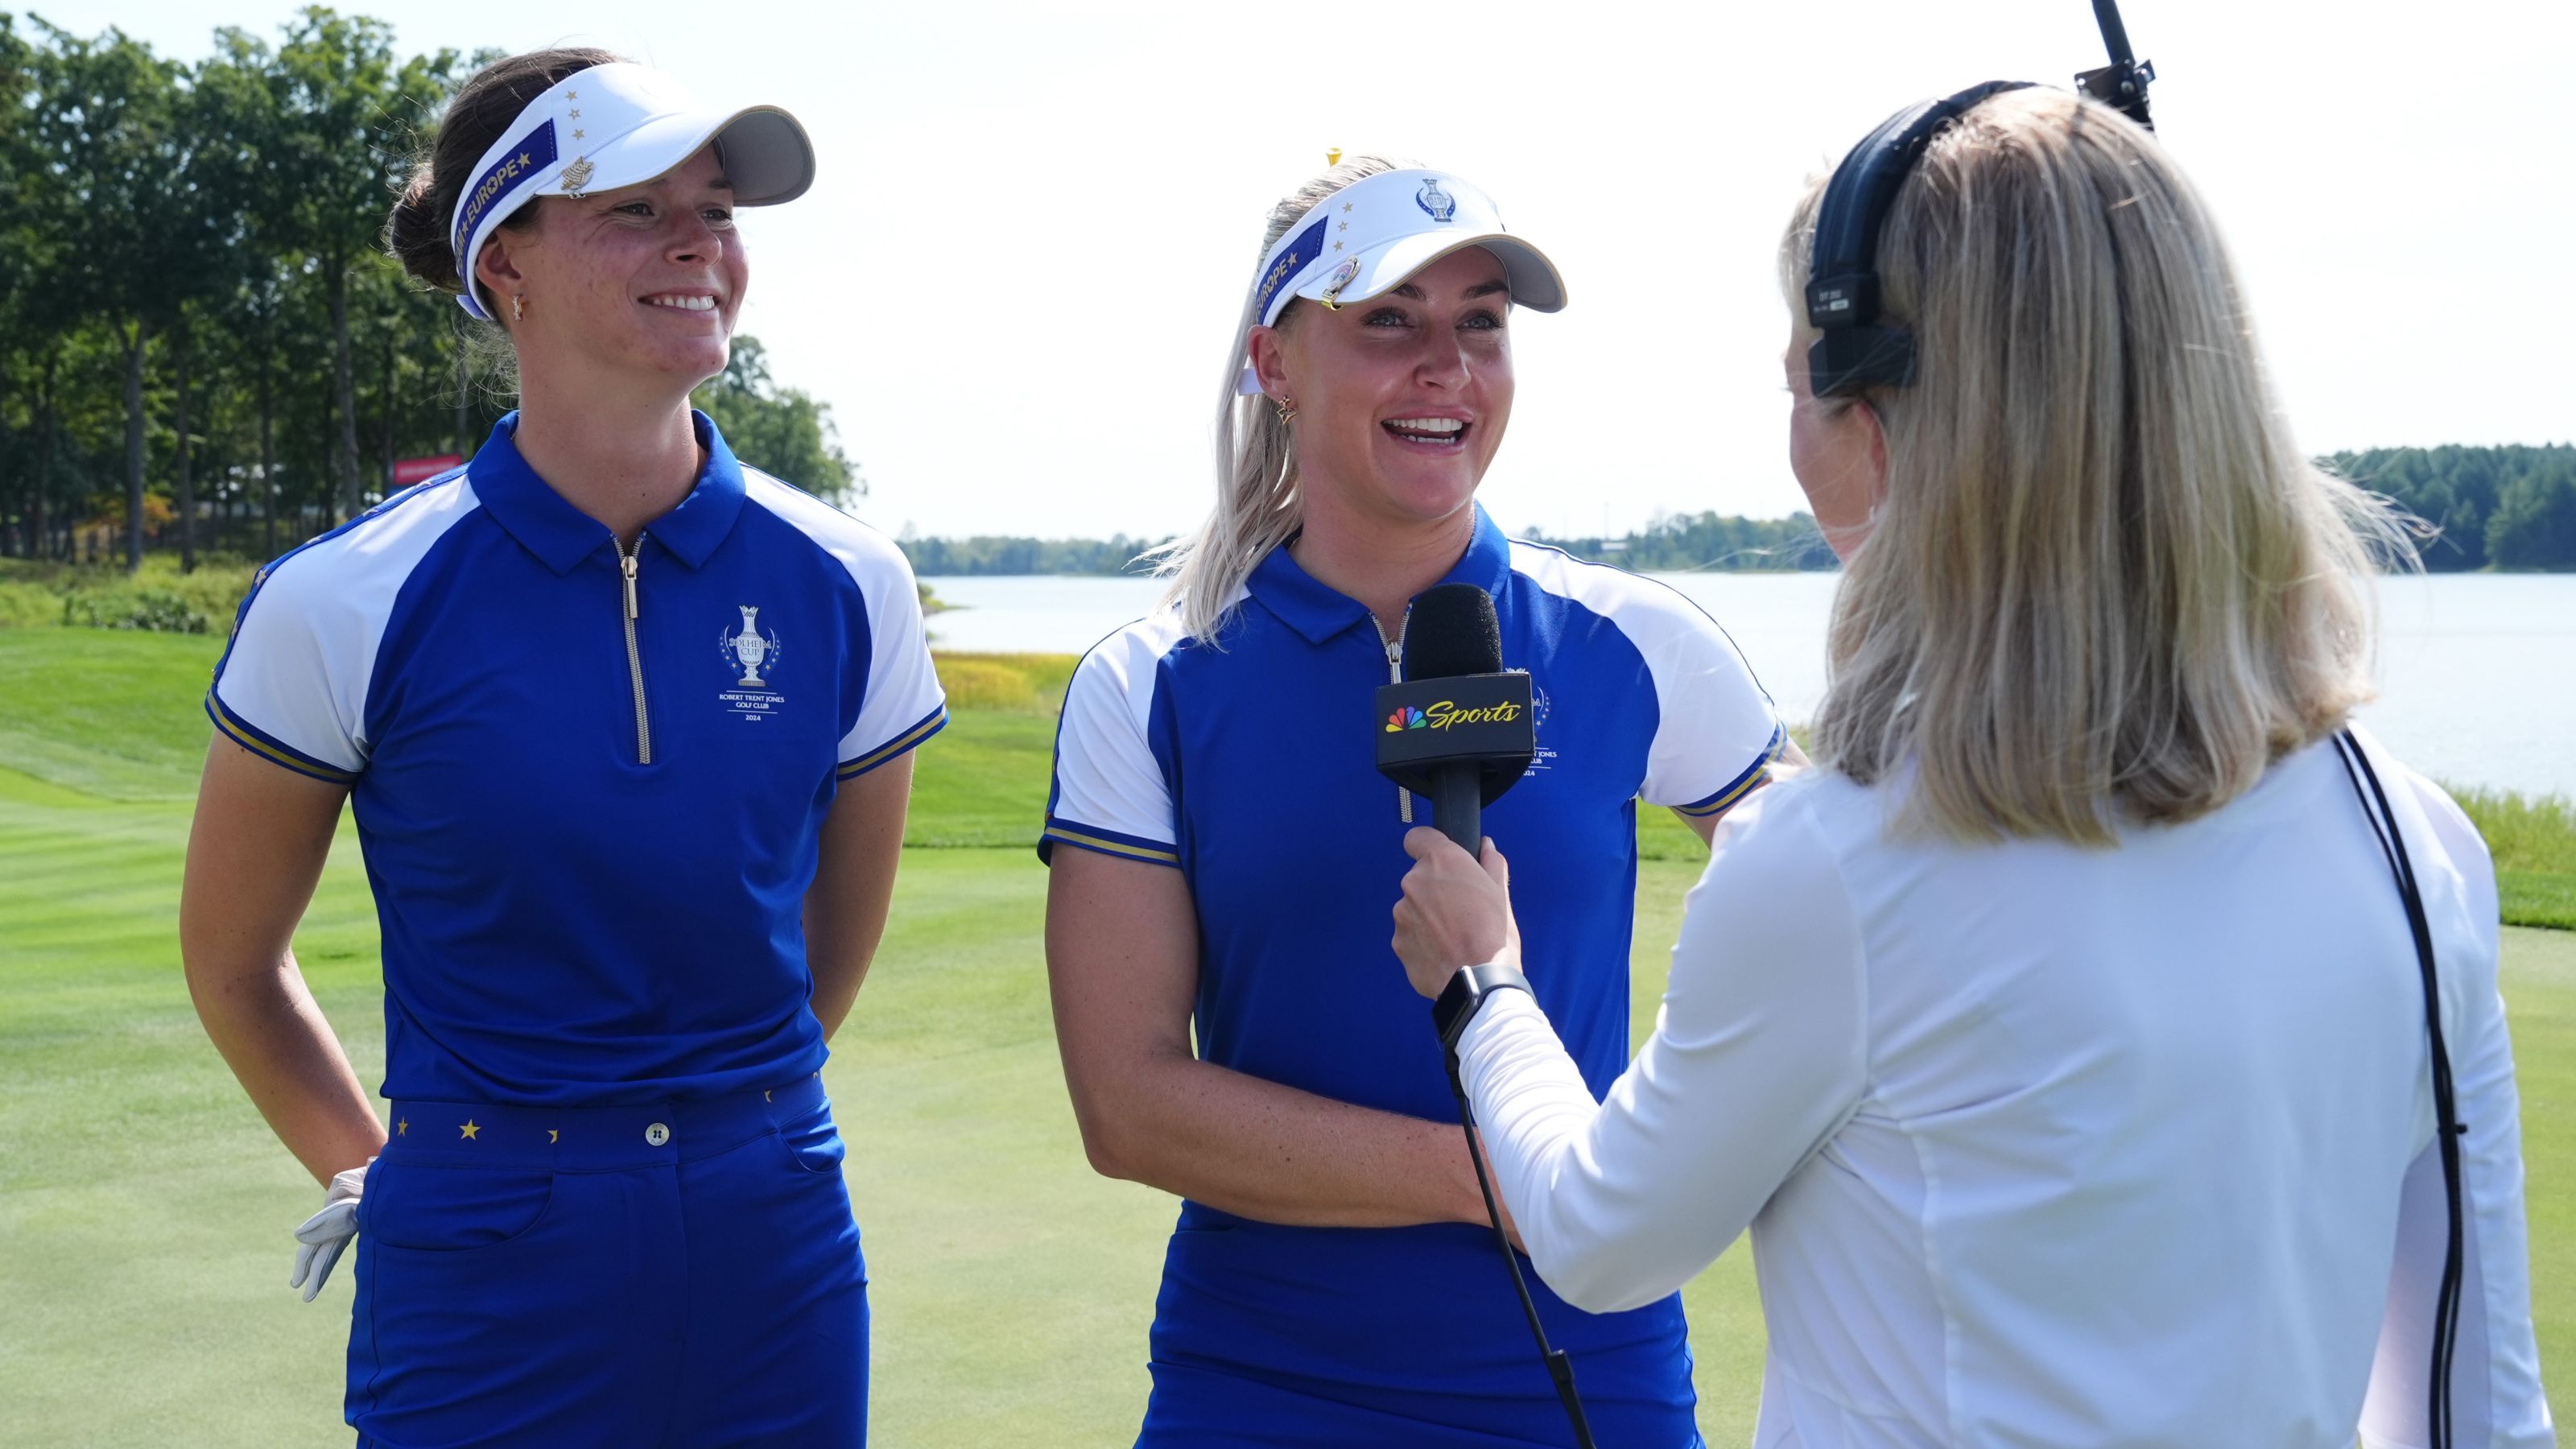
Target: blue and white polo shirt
(1250,768)
(588,786)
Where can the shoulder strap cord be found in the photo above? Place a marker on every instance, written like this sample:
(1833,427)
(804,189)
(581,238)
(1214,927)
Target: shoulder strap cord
(2447,1128)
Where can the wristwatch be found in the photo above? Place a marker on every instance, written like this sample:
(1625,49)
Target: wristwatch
(1464,996)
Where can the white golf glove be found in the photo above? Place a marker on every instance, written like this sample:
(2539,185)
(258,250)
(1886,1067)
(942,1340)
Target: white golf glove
(322,1237)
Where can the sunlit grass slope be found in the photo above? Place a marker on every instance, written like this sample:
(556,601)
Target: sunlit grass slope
(144,1207)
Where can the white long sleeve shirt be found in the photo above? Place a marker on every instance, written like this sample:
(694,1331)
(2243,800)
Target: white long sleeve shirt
(2045,1145)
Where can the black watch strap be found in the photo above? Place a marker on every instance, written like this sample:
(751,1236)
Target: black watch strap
(1465,994)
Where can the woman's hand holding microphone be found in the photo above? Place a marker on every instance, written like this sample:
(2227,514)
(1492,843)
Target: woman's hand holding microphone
(1456,911)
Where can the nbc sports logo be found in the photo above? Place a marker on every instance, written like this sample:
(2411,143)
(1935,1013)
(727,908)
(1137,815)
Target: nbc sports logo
(1405,719)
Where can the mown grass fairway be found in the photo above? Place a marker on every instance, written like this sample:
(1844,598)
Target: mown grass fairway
(144,1207)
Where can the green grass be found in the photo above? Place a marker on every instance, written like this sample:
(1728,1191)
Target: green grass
(104,596)
(144,1207)
(2535,853)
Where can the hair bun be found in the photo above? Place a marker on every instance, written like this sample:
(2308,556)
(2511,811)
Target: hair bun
(417,235)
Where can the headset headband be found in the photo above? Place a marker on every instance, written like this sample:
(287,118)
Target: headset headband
(1854,352)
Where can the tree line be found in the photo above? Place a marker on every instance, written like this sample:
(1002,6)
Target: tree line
(2503,507)
(2475,507)
(1694,541)
(202,343)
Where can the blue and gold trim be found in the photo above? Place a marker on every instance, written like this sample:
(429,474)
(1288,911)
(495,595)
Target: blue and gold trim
(1300,253)
(534,153)
(1107,842)
(1742,785)
(269,747)
(929,725)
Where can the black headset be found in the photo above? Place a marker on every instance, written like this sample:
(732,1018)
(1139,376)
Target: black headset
(1856,352)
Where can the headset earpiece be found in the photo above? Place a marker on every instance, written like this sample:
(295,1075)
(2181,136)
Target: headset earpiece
(1847,360)
(1856,351)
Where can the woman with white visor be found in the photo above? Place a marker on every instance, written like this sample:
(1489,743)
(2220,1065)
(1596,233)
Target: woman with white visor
(2063,1037)
(623,724)
(1222,849)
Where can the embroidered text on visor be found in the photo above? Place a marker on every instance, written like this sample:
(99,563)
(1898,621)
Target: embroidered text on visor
(535,153)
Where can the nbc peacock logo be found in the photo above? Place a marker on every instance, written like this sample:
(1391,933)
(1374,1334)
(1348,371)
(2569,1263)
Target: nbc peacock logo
(1405,719)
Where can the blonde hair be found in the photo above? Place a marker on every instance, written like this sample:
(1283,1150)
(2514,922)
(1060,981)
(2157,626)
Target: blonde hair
(1257,501)
(2105,584)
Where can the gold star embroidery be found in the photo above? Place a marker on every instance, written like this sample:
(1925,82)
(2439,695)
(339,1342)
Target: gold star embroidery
(553,1136)
(470,1129)
(1346,206)
(1337,246)
(1342,226)
(402,1127)
(572,95)
(524,161)
(577,135)
(572,115)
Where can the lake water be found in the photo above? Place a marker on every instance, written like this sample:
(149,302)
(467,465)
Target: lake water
(2477,671)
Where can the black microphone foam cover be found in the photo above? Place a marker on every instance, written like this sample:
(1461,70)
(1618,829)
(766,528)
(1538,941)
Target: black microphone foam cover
(1452,630)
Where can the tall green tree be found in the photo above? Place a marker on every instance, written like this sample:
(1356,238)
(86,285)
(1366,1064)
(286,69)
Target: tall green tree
(779,430)
(23,249)
(348,112)
(133,233)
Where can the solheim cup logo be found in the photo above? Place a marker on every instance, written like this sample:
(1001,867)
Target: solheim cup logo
(750,648)
(1432,199)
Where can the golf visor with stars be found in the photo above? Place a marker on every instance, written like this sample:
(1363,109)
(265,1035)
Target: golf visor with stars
(621,125)
(1366,239)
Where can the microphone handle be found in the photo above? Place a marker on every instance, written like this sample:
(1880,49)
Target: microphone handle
(1459,806)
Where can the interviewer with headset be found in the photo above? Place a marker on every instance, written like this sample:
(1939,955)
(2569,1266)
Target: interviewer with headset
(2061,1038)
(1222,846)
(624,726)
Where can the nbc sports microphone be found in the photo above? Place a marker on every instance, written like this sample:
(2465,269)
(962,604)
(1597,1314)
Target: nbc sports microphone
(1458,730)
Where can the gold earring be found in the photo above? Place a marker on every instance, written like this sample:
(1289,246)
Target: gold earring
(518,309)
(1287,411)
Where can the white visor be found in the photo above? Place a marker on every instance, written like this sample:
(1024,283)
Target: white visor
(1366,239)
(622,125)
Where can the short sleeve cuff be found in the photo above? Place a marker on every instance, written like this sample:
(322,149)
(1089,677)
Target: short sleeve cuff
(1107,842)
(906,739)
(269,747)
(1743,784)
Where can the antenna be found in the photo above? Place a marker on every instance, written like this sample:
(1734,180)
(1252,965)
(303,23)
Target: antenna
(2122,83)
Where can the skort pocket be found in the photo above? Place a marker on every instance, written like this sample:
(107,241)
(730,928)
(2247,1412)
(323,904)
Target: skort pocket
(434,1208)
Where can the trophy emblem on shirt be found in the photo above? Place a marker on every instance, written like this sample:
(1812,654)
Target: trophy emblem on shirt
(750,648)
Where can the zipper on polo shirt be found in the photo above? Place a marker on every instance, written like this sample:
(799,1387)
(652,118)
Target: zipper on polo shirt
(1395,675)
(626,558)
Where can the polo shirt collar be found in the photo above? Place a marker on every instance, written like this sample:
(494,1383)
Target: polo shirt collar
(562,536)
(1319,612)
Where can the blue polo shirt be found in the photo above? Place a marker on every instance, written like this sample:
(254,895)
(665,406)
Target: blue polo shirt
(589,829)
(1249,768)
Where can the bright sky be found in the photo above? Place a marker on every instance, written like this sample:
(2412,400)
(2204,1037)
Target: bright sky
(1033,225)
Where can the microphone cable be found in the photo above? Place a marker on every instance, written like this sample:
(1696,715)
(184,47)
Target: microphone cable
(1560,1369)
